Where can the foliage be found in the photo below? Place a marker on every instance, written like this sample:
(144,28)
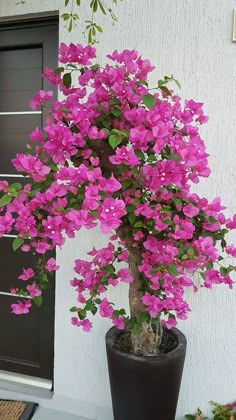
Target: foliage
(114,154)
(92,28)
(219,412)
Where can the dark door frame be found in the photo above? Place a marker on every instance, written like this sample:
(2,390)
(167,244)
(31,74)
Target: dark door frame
(10,27)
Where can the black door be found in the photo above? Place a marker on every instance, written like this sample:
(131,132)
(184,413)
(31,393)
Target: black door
(26,341)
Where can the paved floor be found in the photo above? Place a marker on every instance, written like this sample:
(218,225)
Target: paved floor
(46,414)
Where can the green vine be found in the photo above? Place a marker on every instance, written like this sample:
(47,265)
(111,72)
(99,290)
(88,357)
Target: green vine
(92,28)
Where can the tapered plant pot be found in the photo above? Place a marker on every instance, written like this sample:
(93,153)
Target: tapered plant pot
(145,388)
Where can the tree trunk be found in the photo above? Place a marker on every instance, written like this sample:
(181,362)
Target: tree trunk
(146,342)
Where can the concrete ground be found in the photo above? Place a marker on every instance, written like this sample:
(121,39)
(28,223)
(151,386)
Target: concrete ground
(46,414)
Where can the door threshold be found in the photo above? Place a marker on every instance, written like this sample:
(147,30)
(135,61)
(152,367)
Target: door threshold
(25,384)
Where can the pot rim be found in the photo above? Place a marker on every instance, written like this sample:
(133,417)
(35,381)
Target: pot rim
(113,333)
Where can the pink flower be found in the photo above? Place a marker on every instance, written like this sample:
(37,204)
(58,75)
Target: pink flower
(231,223)
(119,322)
(25,248)
(123,155)
(105,309)
(21,307)
(190,211)
(51,265)
(125,275)
(27,274)
(41,97)
(33,290)
(170,323)
(31,166)
(153,304)
(109,185)
(231,250)
(40,246)
(110,213)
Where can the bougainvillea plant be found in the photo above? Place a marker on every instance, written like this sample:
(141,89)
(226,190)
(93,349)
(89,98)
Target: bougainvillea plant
(219,412)
(120,155)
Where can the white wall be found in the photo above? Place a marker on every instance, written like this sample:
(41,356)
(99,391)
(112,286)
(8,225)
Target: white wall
(192,40)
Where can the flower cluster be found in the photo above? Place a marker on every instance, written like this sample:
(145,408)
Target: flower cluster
(114,154)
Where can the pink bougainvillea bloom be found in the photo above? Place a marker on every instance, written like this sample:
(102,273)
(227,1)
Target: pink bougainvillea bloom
(22,307)
(86,325)
(125,275)
(25,248)
(40,246)
(51,265)
(170,323)
(33,290)
(153,304)
(111,211)
(31,165)
(105,308)
(119,322)
(231,223)
(40,98)
(75,321)
(190,211)
(27,274)
(231,250)
(123,155)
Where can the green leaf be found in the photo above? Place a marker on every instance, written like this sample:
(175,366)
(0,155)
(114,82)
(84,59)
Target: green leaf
(16,186)
(116,112)
(17,243)
(44,279)
(177,83)
(38,300)
(143,317)
(165,90)
(90,36)
(177,202)
(66,16)
(224,271)
(73,309)
(59,70)
(174,157)
(67,80)
(78,2)
(126,183)
(101,7)
(99,28)
(5,200)
(90,306)
(114,141)
(82,314)
(149,100)
(114,101)
(136,329)
(190,417)
(172,270)
(132,218)
(138,224)
(140,154)
(70,27)
(108,269)
(66,2)
(95,6)
(142,82)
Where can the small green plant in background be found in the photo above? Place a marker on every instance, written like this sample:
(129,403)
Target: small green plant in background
(219,412)
(92,29)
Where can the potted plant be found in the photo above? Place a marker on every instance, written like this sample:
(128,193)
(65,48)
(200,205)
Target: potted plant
(116,152)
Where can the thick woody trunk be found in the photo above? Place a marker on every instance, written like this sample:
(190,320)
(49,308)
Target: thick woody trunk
(146,342)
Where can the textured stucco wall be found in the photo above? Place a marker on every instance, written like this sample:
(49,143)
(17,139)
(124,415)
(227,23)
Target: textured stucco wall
(192,40)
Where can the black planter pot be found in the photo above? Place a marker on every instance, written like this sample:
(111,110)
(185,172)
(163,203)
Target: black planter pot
(145,388)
